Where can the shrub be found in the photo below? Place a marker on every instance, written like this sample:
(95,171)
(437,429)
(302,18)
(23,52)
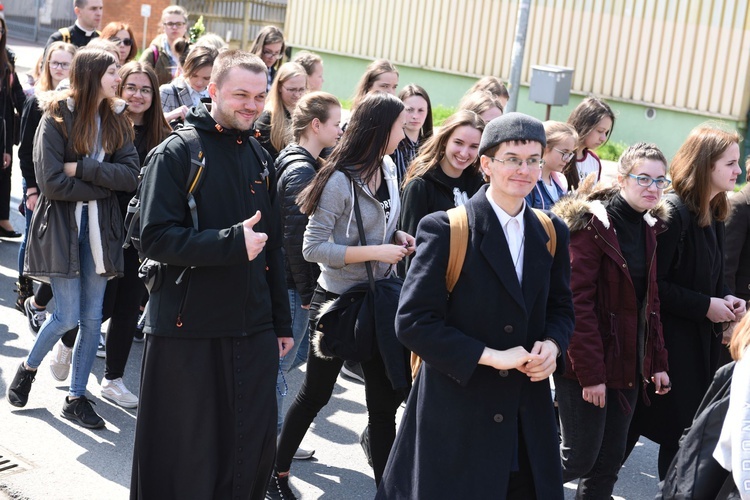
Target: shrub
(611,150)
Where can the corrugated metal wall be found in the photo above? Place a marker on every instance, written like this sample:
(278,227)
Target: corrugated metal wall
(682,54)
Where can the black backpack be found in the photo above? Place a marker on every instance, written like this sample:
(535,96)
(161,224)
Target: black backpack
(694,473)
(192,141)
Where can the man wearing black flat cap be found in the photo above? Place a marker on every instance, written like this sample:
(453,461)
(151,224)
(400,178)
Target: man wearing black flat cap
(480,422)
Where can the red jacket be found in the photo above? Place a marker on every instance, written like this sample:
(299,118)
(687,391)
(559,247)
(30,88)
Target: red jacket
(603,349)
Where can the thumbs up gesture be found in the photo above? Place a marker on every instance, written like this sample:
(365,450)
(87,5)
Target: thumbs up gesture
(254,242)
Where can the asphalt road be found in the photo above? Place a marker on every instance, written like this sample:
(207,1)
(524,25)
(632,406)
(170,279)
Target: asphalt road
(55,459)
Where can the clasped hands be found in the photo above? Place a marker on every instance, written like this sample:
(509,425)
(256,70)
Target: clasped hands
(538,364)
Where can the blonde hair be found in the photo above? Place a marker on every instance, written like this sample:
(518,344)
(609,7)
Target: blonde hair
(45,79)
(279,122)
(740,338)
(480,101)
(557,132)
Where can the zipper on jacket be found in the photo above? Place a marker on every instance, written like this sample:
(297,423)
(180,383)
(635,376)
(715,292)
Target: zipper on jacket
(613,333)
(648,319)
(184,293)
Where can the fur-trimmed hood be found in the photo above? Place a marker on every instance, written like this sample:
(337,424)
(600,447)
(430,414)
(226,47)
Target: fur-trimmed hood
(45,100)
(577,208)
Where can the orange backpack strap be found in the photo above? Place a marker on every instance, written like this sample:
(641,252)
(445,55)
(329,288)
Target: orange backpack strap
(65,32)
(549,228)
(459,241)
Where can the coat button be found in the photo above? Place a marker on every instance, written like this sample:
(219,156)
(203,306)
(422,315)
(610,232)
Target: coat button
(624,265)
(503,373)
(508,329)
(630,384)
(498,418)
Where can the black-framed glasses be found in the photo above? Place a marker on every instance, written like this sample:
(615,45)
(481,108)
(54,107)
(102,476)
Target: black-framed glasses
(297,91)
(516,163)
(275,55)
(565,156)
(59,65)
(132,89)
(122,41)
(646,181)
(175,24)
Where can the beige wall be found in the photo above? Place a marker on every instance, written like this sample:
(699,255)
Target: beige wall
(687,55)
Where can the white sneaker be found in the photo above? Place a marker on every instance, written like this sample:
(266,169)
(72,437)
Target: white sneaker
(303,454)
(115,391)
(59,364)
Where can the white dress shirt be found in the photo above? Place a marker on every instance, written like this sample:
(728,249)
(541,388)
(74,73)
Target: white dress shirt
(513,229)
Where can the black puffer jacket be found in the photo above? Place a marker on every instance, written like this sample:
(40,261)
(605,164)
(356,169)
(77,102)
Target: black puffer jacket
(295,169)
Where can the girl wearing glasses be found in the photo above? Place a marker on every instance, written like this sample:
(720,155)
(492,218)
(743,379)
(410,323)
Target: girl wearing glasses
(359,162)
(163,54)
(445,174)
(272,128)
(55,68)
(594,120)
(123,36)
(561,148)
(695,300)
(184,92)
(617,345)
(123,296)
(269,45)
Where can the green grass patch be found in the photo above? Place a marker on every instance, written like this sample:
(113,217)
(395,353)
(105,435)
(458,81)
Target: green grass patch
(611,150)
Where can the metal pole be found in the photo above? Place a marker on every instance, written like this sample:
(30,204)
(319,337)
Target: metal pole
(36,20)
(245,26)
(145,30)
(522,24)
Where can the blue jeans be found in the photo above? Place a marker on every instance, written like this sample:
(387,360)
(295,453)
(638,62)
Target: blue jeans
(593,438)
(22,248)
(300,327)
(77,300)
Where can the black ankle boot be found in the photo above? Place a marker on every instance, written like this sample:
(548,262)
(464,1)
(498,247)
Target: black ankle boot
(24,289)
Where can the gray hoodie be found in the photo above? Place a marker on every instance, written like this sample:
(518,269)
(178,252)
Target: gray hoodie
(333,227)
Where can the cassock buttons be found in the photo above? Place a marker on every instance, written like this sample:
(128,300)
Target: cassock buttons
(508,329)
(503,373)
(498,418)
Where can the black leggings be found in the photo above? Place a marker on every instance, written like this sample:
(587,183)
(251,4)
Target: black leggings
(316,390)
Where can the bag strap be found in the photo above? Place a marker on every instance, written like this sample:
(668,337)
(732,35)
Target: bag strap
(192,141)
(361,230)
(459,241)
(155,50)
(258,152)
(549,228)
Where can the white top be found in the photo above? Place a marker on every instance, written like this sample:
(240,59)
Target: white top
(587,166)
(513,229)
(733,449)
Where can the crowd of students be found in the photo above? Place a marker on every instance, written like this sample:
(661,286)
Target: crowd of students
(624,296)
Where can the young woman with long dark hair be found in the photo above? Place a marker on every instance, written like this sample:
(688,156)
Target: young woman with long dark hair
(695,301)
(594,120)
(417,130)
(83,154)
(269,45)
(360,162)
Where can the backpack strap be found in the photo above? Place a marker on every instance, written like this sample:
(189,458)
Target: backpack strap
(192,142)
(155,50)
(549,228)
(258,152)
(459,241)
(65,32)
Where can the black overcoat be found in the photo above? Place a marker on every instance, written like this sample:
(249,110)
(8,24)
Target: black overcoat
(459,434)
(687,282)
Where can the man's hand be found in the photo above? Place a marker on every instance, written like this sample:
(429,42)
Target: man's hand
(596,395)
(285,344)
(254,242)
(544,361)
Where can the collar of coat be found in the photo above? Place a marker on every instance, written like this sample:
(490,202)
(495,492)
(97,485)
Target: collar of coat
(577,209)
